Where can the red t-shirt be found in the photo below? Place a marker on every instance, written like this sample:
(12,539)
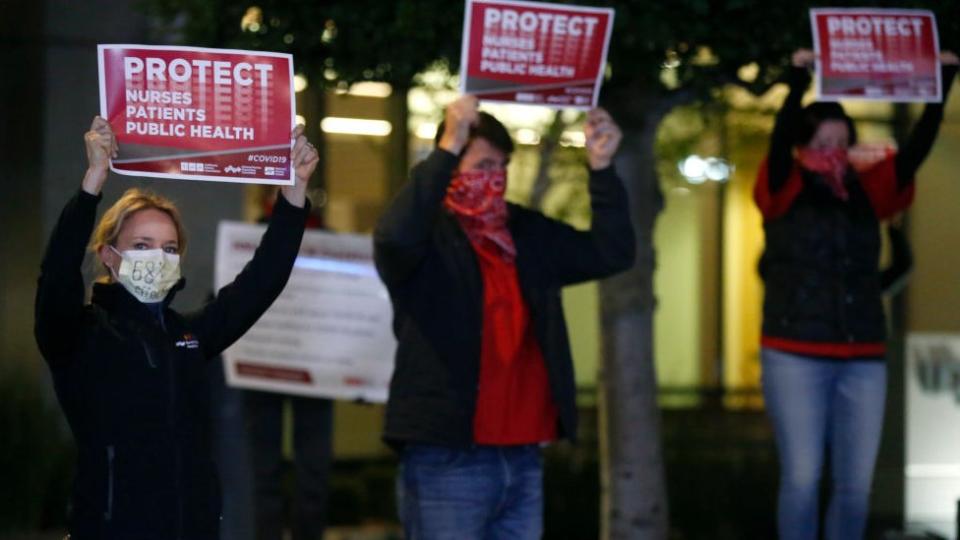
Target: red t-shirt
(514,403)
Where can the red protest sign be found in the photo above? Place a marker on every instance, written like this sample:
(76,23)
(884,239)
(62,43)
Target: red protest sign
(534,53)
(199,114)
(876,54)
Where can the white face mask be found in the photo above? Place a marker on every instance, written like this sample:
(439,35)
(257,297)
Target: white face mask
(148,274)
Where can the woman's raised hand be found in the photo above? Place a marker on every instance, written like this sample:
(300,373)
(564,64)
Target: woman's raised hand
(101,147)
(803,58)
(305,159)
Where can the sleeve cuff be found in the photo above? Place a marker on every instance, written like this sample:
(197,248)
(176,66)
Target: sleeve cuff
(607,172)
(798,77)
(283,208)
(85,198)
(947,74)
(443,158)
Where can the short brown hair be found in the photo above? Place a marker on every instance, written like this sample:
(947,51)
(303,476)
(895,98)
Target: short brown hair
(131,202)
(487,127)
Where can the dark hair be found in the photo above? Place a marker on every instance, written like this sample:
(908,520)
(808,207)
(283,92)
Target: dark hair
(815,113)
(487,127)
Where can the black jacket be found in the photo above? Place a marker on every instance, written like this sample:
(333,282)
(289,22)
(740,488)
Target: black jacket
(431,271)
(132,384)
(820,265)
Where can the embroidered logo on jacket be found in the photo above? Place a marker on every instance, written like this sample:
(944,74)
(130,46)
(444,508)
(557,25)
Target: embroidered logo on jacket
(188,342)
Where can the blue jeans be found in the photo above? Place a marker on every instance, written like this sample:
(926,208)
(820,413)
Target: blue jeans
(815,405)
(481,493)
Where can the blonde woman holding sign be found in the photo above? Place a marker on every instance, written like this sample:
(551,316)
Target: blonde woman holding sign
(129,370)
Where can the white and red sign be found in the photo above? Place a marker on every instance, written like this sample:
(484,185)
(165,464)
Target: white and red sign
(876,54)
(534,53)
(932,477)
(329,332)
(199,114)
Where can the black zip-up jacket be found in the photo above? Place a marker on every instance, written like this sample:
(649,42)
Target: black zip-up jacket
(132,383)
(431,271)
(820,265)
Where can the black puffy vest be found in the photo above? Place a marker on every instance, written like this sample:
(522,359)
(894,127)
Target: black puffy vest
(820,268)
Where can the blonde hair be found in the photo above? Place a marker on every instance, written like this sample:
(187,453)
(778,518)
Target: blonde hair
(133,201)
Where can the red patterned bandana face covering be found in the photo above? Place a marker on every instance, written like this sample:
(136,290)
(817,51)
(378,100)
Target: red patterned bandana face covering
(831,164)
(476,199)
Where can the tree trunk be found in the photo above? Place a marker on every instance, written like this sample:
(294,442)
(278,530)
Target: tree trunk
(634,499)
(548,145)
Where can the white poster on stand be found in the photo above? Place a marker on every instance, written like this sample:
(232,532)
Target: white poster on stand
(328,334)
(933,433)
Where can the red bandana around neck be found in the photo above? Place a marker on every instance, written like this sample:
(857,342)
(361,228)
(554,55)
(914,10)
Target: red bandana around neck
(476,199)
(831,164)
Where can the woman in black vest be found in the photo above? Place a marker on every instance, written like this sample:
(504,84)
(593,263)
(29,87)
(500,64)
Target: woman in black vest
(824,379)
(128,370)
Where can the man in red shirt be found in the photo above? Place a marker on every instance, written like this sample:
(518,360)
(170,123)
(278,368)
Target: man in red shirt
(483,371)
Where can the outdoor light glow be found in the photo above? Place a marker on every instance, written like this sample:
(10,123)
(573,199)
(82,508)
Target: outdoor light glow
(299,83)
(573,138)
(694,169)
(672,60)
(434,77)
(749,72)
(698,169)
(718,170)
(670,78)
(427,131)
(370,89)
(356,126)
(527,136)
(252,19)
(329,32)
(704,57)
